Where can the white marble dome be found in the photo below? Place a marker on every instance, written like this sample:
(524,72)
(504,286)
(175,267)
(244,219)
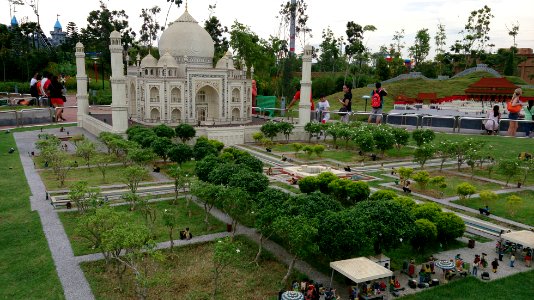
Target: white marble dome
(185,37)
(149,61)
(167,61)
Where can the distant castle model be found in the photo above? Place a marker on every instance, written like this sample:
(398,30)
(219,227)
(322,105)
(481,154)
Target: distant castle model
(57,38)
(182,86)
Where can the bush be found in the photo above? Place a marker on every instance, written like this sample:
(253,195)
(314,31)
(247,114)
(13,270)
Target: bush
(423,136)
(430,211)
(425,232)
(308,184)
(450,226)
(401,136)
(465,190)
(422,178)
(383,195)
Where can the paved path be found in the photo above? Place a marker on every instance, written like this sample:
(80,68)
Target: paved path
(75,285)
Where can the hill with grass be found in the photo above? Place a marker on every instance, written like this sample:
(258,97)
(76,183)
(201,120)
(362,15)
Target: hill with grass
(412,87)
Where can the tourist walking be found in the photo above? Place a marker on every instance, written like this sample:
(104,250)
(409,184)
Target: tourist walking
(476,263)
(377,102)
(494,265)
(512,260)
(323,110)
(346,103)
(56,98)
(514,107)
(528,110)
(492,122)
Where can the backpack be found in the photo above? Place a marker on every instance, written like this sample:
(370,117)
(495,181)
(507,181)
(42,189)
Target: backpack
(376,102)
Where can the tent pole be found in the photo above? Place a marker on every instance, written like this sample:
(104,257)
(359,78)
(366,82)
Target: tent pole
(331,278)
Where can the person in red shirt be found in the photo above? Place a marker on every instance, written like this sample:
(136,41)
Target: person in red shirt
(297,98)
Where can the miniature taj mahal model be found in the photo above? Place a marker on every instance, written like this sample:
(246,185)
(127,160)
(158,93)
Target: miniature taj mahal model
(183,87)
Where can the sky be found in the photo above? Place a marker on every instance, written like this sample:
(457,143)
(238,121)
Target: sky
(388,16)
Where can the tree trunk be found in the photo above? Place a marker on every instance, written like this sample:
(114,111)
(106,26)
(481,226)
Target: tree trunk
(234,227)
(172,240)
(257,259)
(284,280)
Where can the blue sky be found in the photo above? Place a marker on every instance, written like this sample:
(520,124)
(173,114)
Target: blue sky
(260,15)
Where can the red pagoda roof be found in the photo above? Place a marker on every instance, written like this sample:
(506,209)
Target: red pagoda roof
(493,86)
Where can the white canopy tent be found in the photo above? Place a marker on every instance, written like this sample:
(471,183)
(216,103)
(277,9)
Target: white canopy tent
(523,237)
(360,269)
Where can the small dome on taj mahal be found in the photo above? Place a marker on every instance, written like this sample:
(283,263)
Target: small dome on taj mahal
(149,61)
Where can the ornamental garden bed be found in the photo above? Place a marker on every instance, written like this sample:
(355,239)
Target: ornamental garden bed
(188,272)
(522,212)
(195,223)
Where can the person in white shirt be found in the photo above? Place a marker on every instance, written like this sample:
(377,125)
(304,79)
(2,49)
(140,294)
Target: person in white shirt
(323,109)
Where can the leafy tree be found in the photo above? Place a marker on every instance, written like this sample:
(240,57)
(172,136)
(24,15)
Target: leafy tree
(465,190)
(384,222)
(180,153)
(439,183)
(92,226)
(308,184)
(299,234)
(214,27)
(86,150)
(419,51)
(132,199)
(250,182)
(450,226)
(236,203)
(102,162)
(257,136)
(204,167)
(133,175)
(209,195)
(339,235)
(77,194)
(425,232)
(423,153)
(164,131)
(139,250)
(365,142)
(429,211)
(528,168)
(313,129)
(383,195)
(324,180)
(225,252)
(203,148)
(407,202)
(398,44)
(513,202)
(318,149)
(61,165)
(286,128)
(185,132)
(355,49)
(329,51)
(444,151)
(150,28)
(222,173)
(357,191)
(250,162)
(297,147)
(161,147)
(287,9)
(401,137)
(141,135)
(488,197)
(440,40)
(171,220)
(405,173)
(309,150)
(141,157)
(270,129)
(270,206)
(423,136)
(422,178)
(509,167)
(178,175)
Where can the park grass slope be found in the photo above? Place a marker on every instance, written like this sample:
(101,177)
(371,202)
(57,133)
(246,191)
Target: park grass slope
(26,267)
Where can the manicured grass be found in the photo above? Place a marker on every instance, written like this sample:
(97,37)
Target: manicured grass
(406,252)
(188,273)
(524,214)
(291,188)
(196,224)
(188,167)
(26,267)
(501,144)
(93,177)
(498,176)
(452,182)
(517,286)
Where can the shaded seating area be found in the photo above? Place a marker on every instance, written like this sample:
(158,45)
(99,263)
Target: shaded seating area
(369,278)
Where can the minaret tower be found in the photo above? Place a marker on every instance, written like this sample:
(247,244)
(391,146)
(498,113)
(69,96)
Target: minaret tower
(119,109)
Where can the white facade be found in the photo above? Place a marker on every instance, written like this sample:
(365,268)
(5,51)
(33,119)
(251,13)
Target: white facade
(183,87)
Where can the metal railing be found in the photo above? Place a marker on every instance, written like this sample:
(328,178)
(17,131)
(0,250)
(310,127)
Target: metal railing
(404,119)
(442,122)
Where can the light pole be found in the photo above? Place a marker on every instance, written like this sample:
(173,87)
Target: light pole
(366,97)
(95,58)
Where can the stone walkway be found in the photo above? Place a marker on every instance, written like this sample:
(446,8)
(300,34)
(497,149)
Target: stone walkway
(75,285)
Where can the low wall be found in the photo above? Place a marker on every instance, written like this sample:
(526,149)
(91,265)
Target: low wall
(95,126)
(26,117)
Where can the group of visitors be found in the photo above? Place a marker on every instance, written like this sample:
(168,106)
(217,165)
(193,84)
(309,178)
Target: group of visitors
(48,88)
(516,110)
(313,290)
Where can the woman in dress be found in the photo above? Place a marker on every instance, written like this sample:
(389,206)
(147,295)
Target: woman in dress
(56,98)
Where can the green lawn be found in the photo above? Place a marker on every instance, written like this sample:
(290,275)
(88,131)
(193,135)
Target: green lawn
(26,267)
(188,167)
(188,273)
(291,188)
(518,286)
(500,144)
(195,223)
(524,214)
(452,183)
(93,177)
(498,176)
